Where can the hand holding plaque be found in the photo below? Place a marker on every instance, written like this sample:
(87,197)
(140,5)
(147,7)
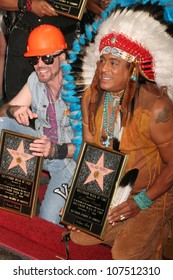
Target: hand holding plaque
(96,178)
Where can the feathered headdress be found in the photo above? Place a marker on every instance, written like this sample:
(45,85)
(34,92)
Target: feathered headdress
(143,38)
(139,32)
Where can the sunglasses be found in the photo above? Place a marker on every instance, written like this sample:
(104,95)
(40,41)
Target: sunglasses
(47,59)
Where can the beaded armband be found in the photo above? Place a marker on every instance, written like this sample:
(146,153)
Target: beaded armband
(29,5)
(24,5)
(143,200)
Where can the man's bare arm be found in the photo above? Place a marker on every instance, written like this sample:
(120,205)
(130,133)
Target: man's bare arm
(9,5)
(23,98)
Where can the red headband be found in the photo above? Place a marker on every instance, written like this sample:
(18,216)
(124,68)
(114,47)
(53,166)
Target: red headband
(121,46)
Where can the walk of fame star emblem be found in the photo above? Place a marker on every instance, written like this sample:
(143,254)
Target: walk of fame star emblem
(98,171)
(19,157)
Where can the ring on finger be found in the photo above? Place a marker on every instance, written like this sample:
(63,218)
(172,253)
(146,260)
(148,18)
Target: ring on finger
(122,217)
(20,115)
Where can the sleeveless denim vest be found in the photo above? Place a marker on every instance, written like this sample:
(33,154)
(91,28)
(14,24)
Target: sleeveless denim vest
(39,106)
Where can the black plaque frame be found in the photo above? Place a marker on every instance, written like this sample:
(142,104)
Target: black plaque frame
(19,174)
(91,192)
(69,8)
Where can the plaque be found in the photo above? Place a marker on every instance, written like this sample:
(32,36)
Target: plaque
(96,178)
(20,173)
(69,8)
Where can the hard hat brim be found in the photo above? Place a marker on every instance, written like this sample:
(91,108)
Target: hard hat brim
(41,52)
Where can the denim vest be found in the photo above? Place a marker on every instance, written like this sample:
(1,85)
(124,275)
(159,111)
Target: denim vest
(39,106)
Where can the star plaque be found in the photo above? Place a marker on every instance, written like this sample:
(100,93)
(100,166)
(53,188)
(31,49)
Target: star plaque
(96,178)
(69,8)
(19,173)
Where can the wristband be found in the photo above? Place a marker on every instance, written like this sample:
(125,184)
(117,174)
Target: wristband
(24,5)
(143,200)
(29,5)
(8,113)
(60,151)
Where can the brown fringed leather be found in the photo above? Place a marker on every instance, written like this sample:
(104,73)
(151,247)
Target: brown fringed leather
(129,91)
(95,89)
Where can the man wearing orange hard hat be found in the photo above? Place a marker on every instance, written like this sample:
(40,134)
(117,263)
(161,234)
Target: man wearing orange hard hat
(45,40)
(41,99)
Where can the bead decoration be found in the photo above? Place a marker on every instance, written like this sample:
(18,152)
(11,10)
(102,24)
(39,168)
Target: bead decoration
(109,122)
(24,5)
(143,200)
(29,5)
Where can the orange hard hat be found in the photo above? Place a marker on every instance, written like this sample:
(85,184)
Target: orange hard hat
(45,39)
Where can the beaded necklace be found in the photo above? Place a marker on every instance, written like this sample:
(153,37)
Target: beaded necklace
(110,124)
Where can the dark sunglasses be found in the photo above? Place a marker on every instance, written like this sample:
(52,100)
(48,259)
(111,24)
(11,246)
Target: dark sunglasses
(47,59)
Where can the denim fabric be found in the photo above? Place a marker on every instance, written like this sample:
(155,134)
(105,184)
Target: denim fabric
(39,106)
(61,172)
(56,193)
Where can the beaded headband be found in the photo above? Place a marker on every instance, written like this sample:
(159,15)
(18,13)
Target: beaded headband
(118,52)
(121,46)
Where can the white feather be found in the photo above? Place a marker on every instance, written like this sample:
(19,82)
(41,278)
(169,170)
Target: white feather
(121,195)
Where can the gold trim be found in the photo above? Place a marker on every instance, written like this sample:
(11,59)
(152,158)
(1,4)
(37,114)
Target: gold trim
(19,187)
(69,9)
(88,203)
